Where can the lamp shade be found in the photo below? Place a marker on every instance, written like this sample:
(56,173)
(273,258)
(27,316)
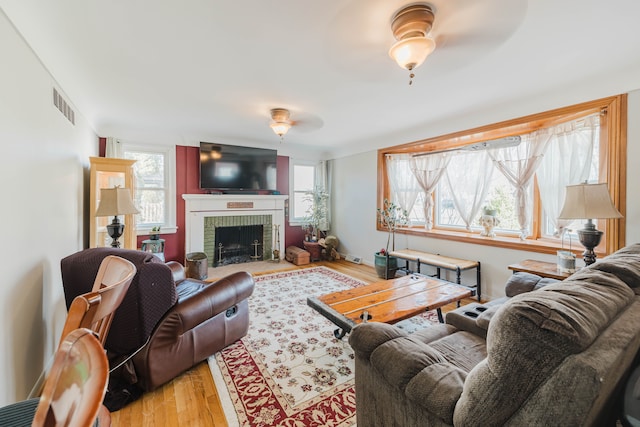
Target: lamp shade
(280,128)
(115,201)
(411,52)
(588,201)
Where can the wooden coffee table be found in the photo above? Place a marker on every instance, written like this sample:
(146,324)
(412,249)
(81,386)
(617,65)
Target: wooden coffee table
(389,301)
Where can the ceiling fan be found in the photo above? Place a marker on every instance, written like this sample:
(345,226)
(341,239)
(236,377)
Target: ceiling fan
(281,121)
(463,31)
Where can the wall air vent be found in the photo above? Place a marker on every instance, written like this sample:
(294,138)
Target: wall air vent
(63,106)
(354,259)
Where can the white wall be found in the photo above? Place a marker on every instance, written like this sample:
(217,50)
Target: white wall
(42,169)
(354,214)
(633,169)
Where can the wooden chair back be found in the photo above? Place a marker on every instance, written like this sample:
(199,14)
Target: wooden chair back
(76,385)
(94,310)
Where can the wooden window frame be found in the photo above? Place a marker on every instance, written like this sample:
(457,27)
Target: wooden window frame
(612,169)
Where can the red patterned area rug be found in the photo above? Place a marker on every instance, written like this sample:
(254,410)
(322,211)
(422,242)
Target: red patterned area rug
(290,370)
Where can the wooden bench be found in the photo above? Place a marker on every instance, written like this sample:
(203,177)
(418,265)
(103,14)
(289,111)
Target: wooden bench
(440,262)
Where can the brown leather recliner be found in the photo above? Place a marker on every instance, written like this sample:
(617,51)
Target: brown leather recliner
(169,321)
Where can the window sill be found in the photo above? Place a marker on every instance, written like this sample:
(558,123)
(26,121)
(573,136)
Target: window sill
(515,243)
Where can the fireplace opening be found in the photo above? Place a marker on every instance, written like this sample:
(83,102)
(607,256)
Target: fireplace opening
(238,244)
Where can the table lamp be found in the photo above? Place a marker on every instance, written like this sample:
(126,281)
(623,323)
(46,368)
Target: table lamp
(115,201)
(588,201)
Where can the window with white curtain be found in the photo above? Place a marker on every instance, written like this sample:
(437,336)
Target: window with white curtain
(500,178)
(155,194)
(524,179)
(302,179)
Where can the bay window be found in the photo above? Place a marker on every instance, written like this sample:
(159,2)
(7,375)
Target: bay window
(519,168)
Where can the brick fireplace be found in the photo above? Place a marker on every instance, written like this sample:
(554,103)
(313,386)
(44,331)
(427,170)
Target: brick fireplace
(205,213)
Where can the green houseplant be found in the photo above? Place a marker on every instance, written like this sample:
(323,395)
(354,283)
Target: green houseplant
(316,220)
(390,216)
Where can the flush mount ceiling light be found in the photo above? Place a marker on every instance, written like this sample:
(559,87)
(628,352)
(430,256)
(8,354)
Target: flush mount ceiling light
(280,122)
(410,27)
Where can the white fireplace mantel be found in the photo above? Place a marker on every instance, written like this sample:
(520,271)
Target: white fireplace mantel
(200,206)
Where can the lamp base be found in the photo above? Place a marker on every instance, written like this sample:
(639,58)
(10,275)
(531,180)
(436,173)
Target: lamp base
(115,230)
(590,238)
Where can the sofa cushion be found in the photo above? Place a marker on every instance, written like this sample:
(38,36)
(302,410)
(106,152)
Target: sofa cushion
(561,319)
(401,359)
(521,282)
(626,268)
(437,388)
(366,337)
(462,349)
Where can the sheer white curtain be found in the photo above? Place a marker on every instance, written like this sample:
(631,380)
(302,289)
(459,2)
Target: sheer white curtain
(404,186)
(518,164)
(114,149)
(323,180)
(468,176)
(428,169)
(567,161)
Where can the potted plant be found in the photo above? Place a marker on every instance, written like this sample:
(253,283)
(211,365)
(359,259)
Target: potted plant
(316,220)
(390,216)
(155,233)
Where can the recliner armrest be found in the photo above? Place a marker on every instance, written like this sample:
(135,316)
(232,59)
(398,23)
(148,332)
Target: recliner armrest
(474,317)
(177,270)
(410,365)
(205,300)
(366,337)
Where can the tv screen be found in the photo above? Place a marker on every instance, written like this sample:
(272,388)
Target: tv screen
(230,167)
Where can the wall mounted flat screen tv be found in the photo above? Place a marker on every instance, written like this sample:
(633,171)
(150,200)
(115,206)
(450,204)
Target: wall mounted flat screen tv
(236,168)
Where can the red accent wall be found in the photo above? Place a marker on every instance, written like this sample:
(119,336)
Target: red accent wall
(188,182)
(102,147)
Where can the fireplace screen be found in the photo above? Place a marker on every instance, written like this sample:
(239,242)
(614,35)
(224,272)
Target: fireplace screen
(238,244)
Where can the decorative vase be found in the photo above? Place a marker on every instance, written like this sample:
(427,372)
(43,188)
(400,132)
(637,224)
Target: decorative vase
(154,236)
(383,270)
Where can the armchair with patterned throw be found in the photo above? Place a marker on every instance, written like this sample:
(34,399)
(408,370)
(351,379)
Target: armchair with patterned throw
(167,323)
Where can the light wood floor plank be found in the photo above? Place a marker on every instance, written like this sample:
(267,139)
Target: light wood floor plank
(192,399)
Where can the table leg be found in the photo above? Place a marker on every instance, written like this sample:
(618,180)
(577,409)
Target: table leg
(339,333)
(440,318)
(478,280)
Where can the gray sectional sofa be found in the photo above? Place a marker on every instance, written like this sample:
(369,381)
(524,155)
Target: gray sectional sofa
(557,355)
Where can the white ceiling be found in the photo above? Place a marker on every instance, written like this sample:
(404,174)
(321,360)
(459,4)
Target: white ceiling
(179,72)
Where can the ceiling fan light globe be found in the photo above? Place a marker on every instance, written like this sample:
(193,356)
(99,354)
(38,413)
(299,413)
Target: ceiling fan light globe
(280,128)
(411,52)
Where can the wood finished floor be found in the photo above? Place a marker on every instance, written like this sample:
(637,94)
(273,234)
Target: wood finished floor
(192,399)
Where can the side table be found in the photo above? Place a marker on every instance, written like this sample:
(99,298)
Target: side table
(540,268)
(314,249)
(156,247)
